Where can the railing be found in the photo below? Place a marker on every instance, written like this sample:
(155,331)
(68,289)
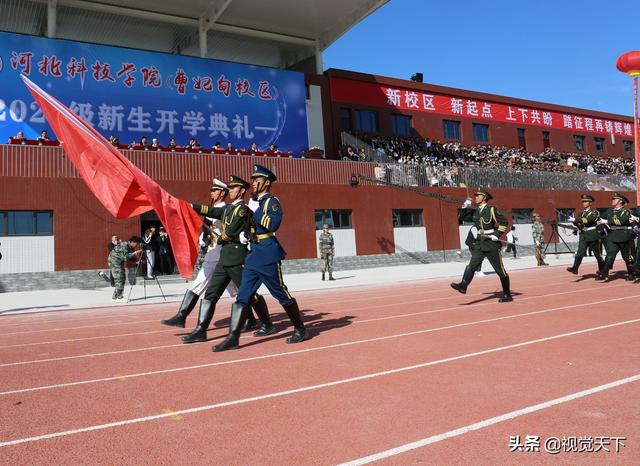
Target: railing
(50,162)
(371,154)
(435,175)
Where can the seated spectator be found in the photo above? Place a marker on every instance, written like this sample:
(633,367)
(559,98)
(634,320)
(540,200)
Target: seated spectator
(143,144)
(254,148)
(42,138)
(217,146)
(18,138)
(193,145)
(230,149)
(172,145)
(155,145)
(114,141)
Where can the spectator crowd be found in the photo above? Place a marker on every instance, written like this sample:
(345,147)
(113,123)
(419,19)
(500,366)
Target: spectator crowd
(418,151)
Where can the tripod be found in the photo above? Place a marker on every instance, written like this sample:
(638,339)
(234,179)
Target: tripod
(144,282)
(555,236)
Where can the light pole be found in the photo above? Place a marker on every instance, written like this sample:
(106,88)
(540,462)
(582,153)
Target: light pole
(630,63)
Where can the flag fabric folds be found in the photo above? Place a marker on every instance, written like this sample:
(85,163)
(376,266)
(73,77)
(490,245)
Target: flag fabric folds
(122,188)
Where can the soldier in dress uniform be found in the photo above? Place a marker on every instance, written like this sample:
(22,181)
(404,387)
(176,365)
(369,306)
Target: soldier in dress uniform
(491,224)
(212,229)
(587,224)
(619,238)
(121,253)
(232,256)
(327,251)
(263,263)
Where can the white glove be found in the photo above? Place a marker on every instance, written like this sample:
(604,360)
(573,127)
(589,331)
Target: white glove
(494,238)
(466,203)
(243,238)
(633,218)
(604,221)
(572,219)
(253,205)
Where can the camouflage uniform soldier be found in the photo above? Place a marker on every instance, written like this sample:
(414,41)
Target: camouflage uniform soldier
(327,251)
(537,231)
(117,257)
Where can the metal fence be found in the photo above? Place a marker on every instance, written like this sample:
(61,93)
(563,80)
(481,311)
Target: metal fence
(438,175)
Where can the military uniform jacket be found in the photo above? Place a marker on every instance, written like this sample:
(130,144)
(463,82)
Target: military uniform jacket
(325,242)
(619,225)
(121,253)
(489,222)
(587,221)
(234,221)
(266,221)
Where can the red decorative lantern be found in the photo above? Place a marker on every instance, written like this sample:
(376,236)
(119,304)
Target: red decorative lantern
(630,63)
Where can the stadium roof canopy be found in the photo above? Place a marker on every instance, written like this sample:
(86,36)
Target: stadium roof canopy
(278,33)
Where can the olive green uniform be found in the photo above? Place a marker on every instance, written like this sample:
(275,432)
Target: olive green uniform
(619,239)
(490,223)
(587,224)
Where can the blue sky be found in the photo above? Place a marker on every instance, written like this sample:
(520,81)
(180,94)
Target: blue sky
(561,51)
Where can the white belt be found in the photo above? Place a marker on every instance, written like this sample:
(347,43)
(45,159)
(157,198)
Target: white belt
(620,228)
(485,232)
(589,228)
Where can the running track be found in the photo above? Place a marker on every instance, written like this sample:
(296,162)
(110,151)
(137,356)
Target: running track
(403,373)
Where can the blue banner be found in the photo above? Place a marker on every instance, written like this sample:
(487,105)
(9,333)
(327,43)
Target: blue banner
(132,93)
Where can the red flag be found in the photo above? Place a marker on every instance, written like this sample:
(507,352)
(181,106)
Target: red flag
(122,188)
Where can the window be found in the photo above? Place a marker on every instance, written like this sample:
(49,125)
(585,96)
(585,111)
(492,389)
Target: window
(366,121)
(336,219)
(26,223)
(628,147)
(480,132)
(345,119)
(407,218)
(401,124)
(522,215)
(451,129)
(578,142)
(564,214)
(599,142)
(522,140)
(546,140)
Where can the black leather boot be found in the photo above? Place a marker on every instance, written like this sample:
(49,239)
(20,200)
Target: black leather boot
(506,290)
(603,273)
(300,333)
(631,274)
(261,309)
(331,276)
(322,276)
(238,316)
(467,276)
(199,334)
(251,323)
(188,303)
(576,264)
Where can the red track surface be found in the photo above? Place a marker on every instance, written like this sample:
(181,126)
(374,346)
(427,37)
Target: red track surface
(412,372)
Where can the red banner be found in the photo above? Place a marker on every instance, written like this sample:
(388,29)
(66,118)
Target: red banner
(356,92)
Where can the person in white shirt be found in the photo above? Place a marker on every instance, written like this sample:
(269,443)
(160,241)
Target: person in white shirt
(512,239)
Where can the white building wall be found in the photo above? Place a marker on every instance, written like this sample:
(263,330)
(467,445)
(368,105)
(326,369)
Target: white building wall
(410,239)
(315,128)
(27,254)
(344,240)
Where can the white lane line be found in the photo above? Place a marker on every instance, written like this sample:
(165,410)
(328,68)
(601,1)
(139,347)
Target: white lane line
(308,350)
(323,302)
(457,307)
(489,422)
(313,387)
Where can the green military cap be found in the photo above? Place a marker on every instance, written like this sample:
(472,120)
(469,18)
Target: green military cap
(586,197)
(218,186)
(621,197)
(483,192)
(237,181)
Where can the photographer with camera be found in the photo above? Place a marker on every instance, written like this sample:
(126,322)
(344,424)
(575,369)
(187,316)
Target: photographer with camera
(121,253)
